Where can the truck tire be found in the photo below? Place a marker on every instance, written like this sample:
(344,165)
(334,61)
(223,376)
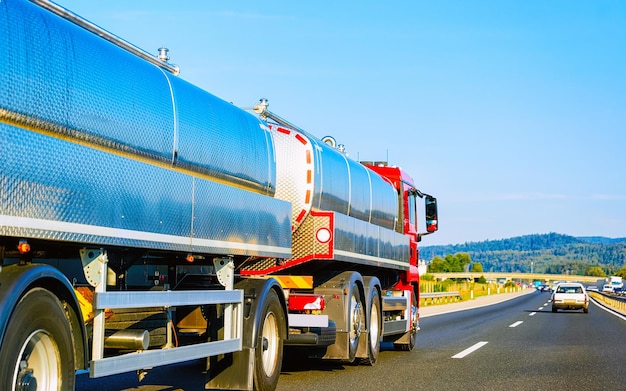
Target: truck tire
(411,335)
(355,321)
(37,351)
(268,355)
(374,329)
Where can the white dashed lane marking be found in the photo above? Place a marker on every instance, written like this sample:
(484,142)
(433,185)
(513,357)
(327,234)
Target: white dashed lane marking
(470,350)
(519,322)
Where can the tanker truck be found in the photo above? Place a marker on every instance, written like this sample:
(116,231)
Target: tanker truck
(145,222)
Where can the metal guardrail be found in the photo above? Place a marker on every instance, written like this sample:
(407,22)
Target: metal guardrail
(439,297)
(610,302)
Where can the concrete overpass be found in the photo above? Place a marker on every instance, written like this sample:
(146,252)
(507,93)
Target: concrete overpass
(529,277)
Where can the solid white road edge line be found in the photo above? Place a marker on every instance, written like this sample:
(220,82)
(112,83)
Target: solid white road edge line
(470,350)
(608,310)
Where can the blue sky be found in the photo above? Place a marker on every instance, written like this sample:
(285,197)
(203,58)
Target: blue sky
(511,113)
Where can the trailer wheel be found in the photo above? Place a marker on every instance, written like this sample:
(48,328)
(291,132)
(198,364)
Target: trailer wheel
(375,326)
(268,354)
(356,321)
(37,351)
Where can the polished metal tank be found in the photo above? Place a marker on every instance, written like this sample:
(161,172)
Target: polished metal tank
(316,177)
(312,174)
(102,146)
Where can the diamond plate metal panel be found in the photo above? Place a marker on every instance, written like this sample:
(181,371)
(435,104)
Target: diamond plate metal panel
(220,140)
(61,80)
(294,167)
(54,189)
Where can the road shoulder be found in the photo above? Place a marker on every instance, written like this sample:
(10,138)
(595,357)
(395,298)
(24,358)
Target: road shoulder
(481,301)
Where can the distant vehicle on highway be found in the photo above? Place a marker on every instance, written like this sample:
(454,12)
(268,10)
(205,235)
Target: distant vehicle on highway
(616,282)
(607,288)
(543,288)
(570,296)
(592,288)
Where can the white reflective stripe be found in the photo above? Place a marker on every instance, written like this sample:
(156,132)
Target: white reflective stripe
(301,320)
(84,229)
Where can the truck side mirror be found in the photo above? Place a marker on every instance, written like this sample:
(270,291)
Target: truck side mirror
(432,224)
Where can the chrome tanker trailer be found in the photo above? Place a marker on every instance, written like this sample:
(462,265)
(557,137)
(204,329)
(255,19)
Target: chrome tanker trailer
(144,221)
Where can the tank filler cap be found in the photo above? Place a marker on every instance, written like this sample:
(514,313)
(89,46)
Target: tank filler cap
(261,108)
(164,58)
(163,54)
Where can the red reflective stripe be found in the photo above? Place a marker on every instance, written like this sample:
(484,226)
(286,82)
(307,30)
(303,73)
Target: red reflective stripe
(301,139)
(301,215)
(283,130)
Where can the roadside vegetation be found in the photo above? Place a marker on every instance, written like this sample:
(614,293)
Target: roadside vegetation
(549,253)
(466,289)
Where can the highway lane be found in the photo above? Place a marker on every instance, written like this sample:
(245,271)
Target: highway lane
(530,347)
(527,347)
(518,344)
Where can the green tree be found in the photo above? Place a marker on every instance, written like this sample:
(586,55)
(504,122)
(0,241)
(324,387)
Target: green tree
(452,264)
(436,265)
(477,267)
(621,272)
(464,259)
(596,271)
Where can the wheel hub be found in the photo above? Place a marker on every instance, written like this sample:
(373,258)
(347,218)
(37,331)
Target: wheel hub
(26,381)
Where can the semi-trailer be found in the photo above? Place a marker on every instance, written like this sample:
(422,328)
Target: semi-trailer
(145,221)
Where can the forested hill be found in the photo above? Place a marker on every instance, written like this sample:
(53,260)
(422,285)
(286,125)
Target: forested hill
(547,253)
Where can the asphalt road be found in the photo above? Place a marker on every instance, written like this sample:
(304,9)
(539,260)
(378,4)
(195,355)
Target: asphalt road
(515,345)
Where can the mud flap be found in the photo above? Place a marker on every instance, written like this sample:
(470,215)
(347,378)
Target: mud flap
(236,371)
(231,371)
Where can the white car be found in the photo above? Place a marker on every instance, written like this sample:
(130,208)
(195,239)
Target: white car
(570,296)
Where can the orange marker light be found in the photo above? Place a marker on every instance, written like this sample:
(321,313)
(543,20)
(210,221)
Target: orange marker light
(23,247)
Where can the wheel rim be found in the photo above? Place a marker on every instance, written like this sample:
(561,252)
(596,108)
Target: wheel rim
(374,327)
(38,365)
(414,318)
(356,320)
(270,344)
(414,326)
